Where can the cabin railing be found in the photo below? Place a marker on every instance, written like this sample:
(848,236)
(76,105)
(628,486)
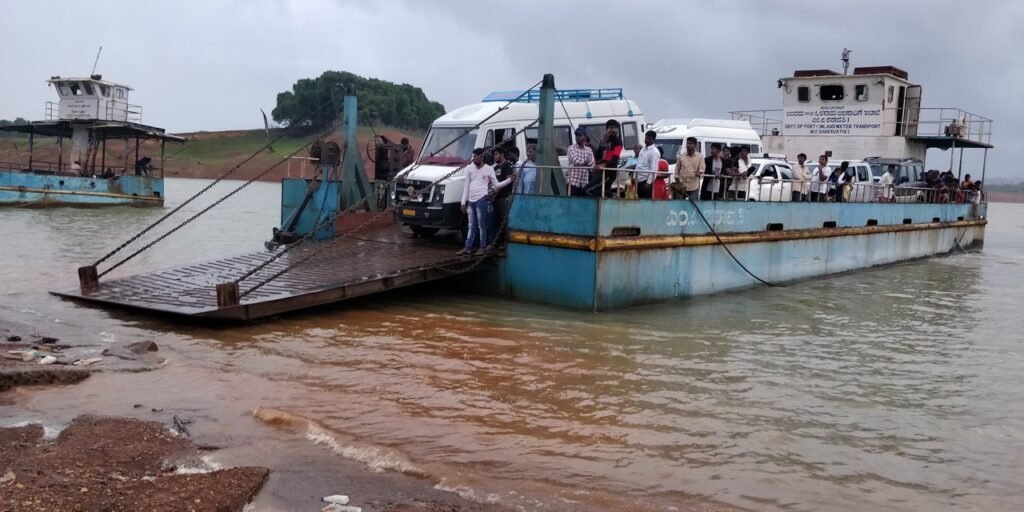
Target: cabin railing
(727,187)
(115,111)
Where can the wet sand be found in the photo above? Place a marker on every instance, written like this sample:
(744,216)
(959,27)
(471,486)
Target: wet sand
(160,458)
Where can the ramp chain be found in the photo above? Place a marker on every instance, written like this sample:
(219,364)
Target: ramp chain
(316,228)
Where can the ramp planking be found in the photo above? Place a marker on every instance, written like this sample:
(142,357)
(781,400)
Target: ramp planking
(346,267)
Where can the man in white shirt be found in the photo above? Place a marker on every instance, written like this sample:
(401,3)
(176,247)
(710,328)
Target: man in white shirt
(476,201)
(819,181)
(884,194)
(647,165)
(802,178)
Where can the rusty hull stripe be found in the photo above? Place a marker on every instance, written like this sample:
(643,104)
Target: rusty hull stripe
(78,193)
(660,242)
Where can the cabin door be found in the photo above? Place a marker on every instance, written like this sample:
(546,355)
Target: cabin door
(912,111)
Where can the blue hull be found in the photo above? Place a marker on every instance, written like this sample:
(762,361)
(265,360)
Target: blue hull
(27,189)
(609,254)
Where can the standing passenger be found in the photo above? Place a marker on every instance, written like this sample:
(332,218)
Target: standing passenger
(609,151)
(715,166)
(526,181)
(503,171)
(885,185)
(480,179)
(581,161)
(740,168)
(801,177)
(689,169)
(647,165)
(819,181)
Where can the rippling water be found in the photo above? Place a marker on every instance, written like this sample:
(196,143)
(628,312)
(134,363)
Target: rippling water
(892,389)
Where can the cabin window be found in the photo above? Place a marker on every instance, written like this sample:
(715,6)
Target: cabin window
(88,88)
(498,136)
(104,91)
(831,92)
(595,132)
(629,136)
(64,90)
(803,94)
(120,93)
(75,89)
(891,91)
(861,92)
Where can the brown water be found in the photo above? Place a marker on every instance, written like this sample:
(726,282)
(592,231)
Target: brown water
(892,389)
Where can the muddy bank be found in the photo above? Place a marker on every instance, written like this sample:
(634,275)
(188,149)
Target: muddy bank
(115,464)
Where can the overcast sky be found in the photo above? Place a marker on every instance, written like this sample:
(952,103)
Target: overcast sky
(211,64)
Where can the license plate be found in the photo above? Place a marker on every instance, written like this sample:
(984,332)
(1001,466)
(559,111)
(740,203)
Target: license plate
(409,213)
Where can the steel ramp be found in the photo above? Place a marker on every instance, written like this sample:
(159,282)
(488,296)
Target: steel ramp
(348,267)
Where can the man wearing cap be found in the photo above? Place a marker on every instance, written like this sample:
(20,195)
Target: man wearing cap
(647,165)
(689,168)
(581,161)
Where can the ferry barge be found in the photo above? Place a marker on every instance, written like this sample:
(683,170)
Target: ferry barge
(591,253)
(91,112)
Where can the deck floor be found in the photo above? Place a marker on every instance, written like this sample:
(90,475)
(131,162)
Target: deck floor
(348,267)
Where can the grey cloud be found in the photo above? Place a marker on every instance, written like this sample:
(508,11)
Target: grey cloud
(210,65)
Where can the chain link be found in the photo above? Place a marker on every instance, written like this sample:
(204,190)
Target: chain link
(203,191)
(208,208)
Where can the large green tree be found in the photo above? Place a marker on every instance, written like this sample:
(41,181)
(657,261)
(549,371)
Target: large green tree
(317,102)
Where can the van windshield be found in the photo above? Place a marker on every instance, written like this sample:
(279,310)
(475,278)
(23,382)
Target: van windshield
(670,148)
(449,146)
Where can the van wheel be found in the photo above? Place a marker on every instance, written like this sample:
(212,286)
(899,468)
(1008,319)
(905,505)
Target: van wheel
(423,232)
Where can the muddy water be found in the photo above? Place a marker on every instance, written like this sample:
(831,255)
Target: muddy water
(892,389)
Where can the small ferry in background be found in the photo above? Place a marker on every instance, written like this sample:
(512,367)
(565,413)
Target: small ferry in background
(91,114)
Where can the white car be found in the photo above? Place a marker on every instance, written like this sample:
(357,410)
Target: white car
(769,180)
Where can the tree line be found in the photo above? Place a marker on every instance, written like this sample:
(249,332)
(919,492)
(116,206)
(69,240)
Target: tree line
(315,103)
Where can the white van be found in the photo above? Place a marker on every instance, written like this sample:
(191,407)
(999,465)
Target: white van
(672,134)
(426,211)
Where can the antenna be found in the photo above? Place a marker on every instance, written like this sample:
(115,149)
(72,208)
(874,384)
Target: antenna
(845,59)
(94,64)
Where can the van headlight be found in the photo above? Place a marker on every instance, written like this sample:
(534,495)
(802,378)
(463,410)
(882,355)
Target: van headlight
(438,195)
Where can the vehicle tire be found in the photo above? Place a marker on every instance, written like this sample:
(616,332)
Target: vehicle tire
(423,232)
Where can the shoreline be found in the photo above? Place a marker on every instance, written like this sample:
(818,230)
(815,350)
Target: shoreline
(211,470)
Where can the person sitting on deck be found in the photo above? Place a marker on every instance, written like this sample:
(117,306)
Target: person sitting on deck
(581,160)
(476,201)
(142,166)
(76,168)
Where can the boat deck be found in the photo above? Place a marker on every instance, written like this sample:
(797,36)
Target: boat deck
(345,268)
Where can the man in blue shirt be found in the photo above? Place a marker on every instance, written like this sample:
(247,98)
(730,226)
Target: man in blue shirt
(526,183)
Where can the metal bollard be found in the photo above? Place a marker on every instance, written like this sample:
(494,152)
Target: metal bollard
(227,294)
(88,278)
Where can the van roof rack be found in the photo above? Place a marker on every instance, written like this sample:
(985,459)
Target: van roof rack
(533,96)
